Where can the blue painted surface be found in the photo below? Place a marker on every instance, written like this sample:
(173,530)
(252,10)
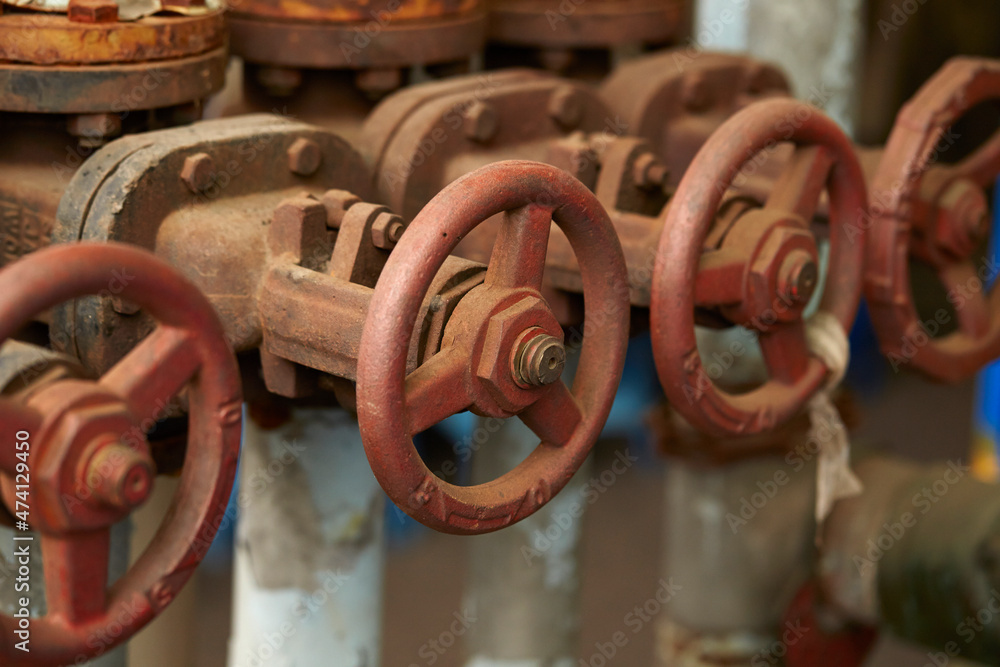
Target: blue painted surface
(987,406)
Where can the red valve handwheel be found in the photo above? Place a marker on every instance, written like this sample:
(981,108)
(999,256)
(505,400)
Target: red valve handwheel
(940,213)
(502,350)
(809,643)
(88,458)
(763,271)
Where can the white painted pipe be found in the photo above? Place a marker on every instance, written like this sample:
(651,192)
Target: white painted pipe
(308,573)
(523,586)
(738,538)
(816,42)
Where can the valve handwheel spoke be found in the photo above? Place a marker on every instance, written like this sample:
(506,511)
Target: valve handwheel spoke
(158,366)
(555,416)
(90,462)
(765,269)
(938,213)
(802,182)
(518,257)
(437,390)
(76,573)
(503,353)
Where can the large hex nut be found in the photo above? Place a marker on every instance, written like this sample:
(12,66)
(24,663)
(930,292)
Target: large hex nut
(62,499)
(496,362)
(767,297)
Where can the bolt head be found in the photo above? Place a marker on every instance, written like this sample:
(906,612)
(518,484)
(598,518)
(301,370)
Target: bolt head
(92,11)
(279,81)
(798,277)
(540,361)
(120,476)
(386,230)
(337,202)
(480,121)
(94,126)
(304,157)
(696,95)
(648,171)
(198,172)
(566,106)
(379,81)
(124,306)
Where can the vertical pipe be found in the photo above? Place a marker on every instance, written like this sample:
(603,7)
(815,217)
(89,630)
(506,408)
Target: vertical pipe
(739,537)
(524,585)
(310,554)
(817,43)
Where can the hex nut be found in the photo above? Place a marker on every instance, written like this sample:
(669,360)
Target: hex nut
(94,125)
(503,335)
(649,172)
(480,121)
(696,95)
(304,157)
(92,11)
(198,172)
(566,106)
(386,230)
(337,202)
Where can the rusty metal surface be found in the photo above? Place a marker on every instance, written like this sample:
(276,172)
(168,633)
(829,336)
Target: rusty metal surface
(938,213)
(676,98)
(113,88)
(290,267)
(493,328)
(422,138)
(357,35)
(350,11)
(214,230)
(762,272)
(43,39)
(87,443)
(554,24)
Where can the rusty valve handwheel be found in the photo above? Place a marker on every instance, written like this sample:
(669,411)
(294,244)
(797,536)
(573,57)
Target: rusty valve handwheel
(763,271)
(502,352)
(939,213)
(89,463)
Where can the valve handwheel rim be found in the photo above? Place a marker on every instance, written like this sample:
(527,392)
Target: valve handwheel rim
(69,420)
(824,159)
(908,177)
(502,349)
